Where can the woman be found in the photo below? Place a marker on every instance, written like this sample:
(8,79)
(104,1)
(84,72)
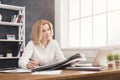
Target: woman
(42,49)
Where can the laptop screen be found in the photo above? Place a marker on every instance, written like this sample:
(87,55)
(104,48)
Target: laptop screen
(101,57)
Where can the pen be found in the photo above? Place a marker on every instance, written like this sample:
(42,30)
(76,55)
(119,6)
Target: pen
(30,59)
(33,60)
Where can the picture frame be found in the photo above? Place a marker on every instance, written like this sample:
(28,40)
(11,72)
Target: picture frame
(10,36)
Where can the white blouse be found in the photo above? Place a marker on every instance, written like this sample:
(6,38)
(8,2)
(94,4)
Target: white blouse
(51,54)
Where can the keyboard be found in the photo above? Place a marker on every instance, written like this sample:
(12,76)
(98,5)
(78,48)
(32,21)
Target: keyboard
(83,65)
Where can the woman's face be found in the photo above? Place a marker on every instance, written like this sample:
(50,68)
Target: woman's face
(46,32)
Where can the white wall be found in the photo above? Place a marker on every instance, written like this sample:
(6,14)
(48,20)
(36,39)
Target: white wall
(61,25)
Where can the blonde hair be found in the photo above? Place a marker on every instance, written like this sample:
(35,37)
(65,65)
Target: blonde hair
(36,33)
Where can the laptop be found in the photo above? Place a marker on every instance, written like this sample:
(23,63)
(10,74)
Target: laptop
(99,63)
(101,58)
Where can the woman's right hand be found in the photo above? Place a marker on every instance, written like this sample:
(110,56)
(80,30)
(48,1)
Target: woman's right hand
(32,64)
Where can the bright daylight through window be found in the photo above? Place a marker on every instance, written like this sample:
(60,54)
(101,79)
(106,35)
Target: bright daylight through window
(88,23)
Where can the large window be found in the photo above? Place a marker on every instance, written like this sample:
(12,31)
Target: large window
(87,23)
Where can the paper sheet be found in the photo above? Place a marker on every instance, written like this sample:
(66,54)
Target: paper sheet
(16,71)
(51,72)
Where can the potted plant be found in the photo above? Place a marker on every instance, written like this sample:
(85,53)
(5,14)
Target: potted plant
(110,59)
(117,58)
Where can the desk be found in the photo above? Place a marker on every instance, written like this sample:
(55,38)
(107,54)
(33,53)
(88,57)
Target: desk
(107,74)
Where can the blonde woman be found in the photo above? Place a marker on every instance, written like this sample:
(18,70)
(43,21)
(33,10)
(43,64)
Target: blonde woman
(42,49)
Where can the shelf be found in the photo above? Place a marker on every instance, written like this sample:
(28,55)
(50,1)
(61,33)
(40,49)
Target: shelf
(11,23)
(15,28)
(9,57)
(11,40)
(11,7)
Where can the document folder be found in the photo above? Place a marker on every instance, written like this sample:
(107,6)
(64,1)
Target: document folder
(61,65)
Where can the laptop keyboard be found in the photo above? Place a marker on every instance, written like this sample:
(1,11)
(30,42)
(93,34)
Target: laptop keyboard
(85,68)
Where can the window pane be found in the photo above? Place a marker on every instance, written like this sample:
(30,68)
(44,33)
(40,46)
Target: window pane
(91,30)
(113,4)
(86,7)
(74,32)
(99,30)
(114,28)
(74,9)
(99,6)
(86,32)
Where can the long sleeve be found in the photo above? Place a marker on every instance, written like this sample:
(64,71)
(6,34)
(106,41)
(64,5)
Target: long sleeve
(58,53)
(26,55)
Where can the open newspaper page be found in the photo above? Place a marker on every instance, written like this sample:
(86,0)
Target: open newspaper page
(60,65)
